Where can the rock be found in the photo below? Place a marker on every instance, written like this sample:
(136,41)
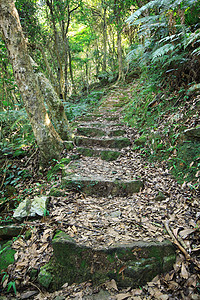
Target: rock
(101,186)
(6,255)
(55,192)
(141,141)
(33,273)
(31,208)
(116,214)
(91,132)
(44,277)
(108,155)
(117,143)
(192,133)
(117,132)
(9,231)
(141,261)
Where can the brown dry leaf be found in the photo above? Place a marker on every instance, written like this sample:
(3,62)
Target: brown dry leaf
(123,296)
(184,233)
(43,248)
(163,297)
(184,272)
(5,283)
(169,276)
(136,292)
(79,295)
(122,269)
(111,285)
(192,281)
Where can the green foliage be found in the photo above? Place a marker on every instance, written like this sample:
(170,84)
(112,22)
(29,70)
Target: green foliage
(81,106)
(57,167)
(11,284)
(16,133)
(185,164)
(165,51)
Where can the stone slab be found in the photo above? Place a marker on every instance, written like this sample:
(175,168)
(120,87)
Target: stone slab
(117,143)
(9,231)
(108,155)
(100,186)
(130,265)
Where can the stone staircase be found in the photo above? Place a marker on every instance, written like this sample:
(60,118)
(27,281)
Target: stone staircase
(101,139)
(104,137)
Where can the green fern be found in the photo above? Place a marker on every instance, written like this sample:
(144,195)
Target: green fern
(162,51)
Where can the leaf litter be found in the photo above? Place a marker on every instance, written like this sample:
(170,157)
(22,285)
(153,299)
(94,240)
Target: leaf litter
(104,221)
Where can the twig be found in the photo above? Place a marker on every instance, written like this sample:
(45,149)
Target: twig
(35,286)
(4,176)
(31,157)
(175,241)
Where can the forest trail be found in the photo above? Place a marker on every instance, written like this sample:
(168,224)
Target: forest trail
(107,223)
(125,205)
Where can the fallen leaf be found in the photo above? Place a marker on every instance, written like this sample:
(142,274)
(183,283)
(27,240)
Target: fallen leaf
(184,233)
(111,285)
(184,272)
(122,269)
(123,296)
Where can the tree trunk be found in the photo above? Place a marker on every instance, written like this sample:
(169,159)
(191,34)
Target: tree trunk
(55,106)
(48,140)
(104,40)
(119,42)
(119,52)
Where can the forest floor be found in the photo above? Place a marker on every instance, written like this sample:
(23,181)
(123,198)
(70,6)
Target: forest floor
(103,221)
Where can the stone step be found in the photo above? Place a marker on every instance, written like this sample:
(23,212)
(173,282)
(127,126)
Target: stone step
(100,186)
(108,155)
(130,265)
(89,118)
(106,125)
(117,143)
(97,132)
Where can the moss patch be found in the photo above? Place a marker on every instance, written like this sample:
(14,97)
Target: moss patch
(77,263)
(6,255)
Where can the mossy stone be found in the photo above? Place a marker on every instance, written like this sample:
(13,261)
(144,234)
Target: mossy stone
(109,155)
(73,262)
(9,231)
(55,192)
(117,132)
(141,141)
(86,151)
(6,255)
(44,277)
(87,131)
(117,143)
(33,274)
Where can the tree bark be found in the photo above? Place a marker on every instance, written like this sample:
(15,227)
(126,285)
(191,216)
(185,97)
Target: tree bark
(55,106)
(104,39)
(48,140)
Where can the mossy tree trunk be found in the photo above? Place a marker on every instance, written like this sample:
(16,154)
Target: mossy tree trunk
(56,107)
(48,140)
(118,24)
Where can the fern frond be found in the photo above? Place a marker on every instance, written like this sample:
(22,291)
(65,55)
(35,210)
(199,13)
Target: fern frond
(162,51)
(196,51)
(193,37)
